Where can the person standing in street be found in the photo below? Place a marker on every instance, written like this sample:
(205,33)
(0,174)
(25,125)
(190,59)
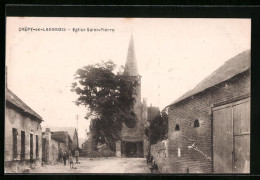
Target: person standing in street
(64,157)
(70,159)
(77,156)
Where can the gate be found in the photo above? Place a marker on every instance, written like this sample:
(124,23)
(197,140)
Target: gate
(231,137)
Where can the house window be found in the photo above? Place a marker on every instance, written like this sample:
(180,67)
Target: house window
(177,127)
(22,145)
(37,146)
(196,123)
(15,134)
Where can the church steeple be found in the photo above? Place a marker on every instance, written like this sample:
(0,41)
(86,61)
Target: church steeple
(131,63)
(131,70)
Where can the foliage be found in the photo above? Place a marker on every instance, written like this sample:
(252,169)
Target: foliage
(158,128)
(108,94)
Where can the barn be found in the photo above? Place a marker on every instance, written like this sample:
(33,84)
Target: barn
(209,126)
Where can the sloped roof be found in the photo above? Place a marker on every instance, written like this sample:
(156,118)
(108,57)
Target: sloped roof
(13,99)
(59,136)
(69,130)
(232,67)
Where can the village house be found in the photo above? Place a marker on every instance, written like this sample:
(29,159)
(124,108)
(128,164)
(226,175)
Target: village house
(89,145)
(23,146)
(209,126)
(55,139)
(54,143)
(72,135)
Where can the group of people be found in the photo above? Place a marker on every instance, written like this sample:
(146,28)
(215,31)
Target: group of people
(67,155)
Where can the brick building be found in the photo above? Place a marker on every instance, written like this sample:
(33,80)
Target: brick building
(209,126)
(22,135)
(134,142)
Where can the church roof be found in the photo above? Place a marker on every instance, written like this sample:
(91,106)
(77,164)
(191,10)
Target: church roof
(232,67)
(131,63)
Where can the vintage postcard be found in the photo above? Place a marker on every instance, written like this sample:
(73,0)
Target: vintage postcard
(127,95)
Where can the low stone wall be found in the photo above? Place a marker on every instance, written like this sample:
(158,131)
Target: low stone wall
(159,152)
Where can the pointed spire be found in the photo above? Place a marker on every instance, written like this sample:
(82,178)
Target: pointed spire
(131,63)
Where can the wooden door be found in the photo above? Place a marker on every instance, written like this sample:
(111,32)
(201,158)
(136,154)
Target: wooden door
(222,140)
(242,137)
(231,137)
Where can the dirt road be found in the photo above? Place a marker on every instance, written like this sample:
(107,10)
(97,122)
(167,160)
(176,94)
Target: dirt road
(99,165)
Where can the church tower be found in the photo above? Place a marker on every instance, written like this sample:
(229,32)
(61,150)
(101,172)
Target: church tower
(133,143)
(131,69)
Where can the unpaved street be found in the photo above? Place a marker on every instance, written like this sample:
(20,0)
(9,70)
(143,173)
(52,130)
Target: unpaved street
(99,165)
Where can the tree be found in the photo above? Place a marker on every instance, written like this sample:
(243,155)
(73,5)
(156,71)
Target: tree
(158,128)
(108,94)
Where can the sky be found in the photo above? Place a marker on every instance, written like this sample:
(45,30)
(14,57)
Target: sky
(173,55)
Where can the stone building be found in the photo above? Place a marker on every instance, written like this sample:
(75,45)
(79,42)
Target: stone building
(134,142)
(89,146)
(71,132)
(23,146)
(52,144)
(209,126)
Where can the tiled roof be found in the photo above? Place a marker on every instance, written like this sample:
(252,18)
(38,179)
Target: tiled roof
(69,130)
(232,67)
(13,99)
(59,136)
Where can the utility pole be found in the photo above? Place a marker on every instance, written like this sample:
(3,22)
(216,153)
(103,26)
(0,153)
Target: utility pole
(77,119)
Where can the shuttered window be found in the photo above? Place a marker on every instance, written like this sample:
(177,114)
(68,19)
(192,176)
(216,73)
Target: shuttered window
(15,134)
(37,146)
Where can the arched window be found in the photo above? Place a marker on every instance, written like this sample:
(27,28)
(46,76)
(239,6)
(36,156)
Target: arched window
(196,123)
(177,127)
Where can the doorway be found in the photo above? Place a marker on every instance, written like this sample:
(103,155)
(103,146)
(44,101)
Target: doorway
(31,146)
(231,137)
(22,145)
(130,149)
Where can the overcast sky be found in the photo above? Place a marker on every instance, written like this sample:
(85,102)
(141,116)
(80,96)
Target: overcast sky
(173,55)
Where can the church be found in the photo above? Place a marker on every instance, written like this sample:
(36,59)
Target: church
(134,142)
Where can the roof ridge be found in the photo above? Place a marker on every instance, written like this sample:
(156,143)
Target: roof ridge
(241,57)
(23,103)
